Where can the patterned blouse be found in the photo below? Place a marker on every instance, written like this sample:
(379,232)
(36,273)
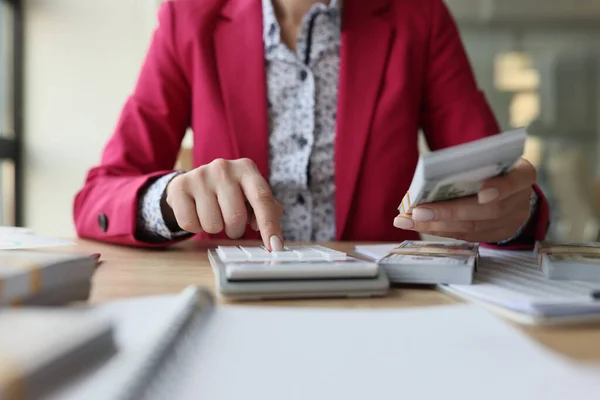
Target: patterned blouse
(302,89)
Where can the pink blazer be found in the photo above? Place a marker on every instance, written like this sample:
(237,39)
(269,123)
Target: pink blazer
(403,67)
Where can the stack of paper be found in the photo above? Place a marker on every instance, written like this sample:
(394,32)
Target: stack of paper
(42,349)
(425,262)
(460,171)
(569,261)
(12,238)
(512,283)
(29,277)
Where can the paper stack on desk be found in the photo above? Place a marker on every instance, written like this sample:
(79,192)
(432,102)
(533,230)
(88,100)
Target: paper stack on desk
(30,277)
(426,262)
(460,171)
(513,281)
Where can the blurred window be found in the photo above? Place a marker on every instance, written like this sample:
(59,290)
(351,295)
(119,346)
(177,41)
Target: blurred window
(538,63)
(10,111)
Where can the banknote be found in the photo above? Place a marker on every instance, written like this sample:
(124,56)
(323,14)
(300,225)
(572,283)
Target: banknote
(430,262)
(579,258)
(461,171)
(462,185)
(554,248)
(569,260)
(422,247)
(425,259)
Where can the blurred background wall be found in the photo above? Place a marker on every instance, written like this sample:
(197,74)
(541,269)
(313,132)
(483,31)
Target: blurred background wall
(82,59)
(536,60)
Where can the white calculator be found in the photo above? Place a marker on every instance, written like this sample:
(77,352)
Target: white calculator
(253,272)
(294,262)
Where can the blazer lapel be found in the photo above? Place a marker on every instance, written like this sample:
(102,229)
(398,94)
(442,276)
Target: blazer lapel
(366,40)
(239,50)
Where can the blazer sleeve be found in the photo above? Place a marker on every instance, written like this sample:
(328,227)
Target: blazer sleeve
(144,145)
(455,111)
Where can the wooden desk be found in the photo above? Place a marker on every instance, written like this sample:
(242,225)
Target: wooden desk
(128,272)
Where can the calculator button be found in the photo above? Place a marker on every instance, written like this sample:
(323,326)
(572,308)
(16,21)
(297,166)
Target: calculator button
(231,253)
(285,255)
(257,254)
(336,256)
(291,253)
(331,255)
(308,254)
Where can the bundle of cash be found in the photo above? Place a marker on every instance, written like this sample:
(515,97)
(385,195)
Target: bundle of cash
(569,261)
(30,277)
(426,262)
(460,171)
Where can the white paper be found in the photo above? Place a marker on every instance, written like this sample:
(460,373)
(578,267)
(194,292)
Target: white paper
(7,230)
(375,251)
(514,280)
(22,238)
(271,353)
(452,352)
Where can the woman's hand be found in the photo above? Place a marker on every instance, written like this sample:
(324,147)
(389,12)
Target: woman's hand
(496,214)
(226,195)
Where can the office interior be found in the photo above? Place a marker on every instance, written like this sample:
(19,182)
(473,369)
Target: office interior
(66,67)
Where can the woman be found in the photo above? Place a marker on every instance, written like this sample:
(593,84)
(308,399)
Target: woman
(305,117)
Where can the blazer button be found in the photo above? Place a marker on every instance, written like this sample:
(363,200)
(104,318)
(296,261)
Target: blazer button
(103,222)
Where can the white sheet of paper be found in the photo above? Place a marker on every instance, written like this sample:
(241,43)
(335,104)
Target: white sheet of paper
(375,251)
(15,238)
(271,353)
(7,230)
(428,353)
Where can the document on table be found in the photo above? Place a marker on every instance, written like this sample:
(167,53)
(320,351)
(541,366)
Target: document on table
(513,281)
(273,353)
(22,238)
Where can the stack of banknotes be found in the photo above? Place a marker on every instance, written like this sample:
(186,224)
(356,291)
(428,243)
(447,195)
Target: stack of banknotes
(569,261)
(427,262)
(460,171)
(32,277)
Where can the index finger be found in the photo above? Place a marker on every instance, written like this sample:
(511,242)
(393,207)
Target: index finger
(266,209)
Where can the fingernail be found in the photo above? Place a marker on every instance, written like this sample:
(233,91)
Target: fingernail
(403,223)
(487,195)
(423,214)
(254,225)
(275,243)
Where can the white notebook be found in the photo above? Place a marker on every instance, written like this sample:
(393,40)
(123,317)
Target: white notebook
(41,348)
(511,282)
(271,353)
